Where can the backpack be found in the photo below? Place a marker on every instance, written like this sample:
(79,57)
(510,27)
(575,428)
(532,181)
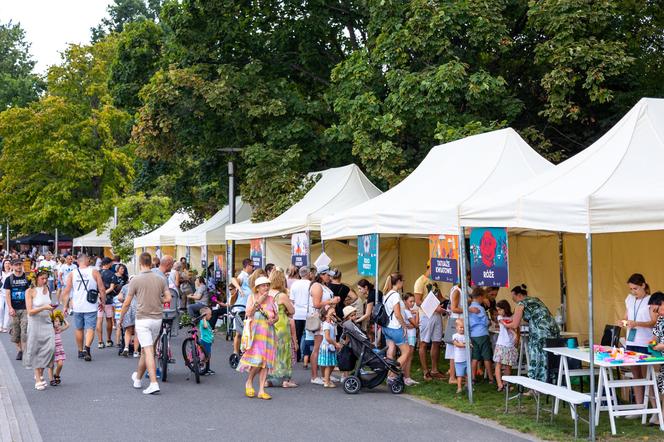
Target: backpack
(379,314)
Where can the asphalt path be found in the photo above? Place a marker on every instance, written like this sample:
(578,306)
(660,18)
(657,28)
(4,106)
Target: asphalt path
(96,402)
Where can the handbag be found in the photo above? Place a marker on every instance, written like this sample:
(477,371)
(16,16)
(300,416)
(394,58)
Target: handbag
(312,323)
(450,329)
(247,336)
(92,296)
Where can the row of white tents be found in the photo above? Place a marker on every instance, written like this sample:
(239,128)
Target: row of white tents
(493,179)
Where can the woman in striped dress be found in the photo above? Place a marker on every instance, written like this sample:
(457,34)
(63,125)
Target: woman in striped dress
(258,358)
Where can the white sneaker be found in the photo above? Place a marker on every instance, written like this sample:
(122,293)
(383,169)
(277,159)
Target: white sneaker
(409,382)
(317,381)
(334,379)
(136,354)
(152,389)
(136,380)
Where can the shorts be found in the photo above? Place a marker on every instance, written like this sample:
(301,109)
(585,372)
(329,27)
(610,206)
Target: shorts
(431,329)
(85,321)
(637,349)
(412,340)
(308,347)
(207,346)
(481,350)
(147,331)
(107,312)
(506,355)
(19,327)
(394,334)
(460,368)
(449,351)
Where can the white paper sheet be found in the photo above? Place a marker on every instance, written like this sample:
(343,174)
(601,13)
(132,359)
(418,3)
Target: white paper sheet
(430,304)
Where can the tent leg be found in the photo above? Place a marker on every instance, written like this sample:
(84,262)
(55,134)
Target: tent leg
(464,305)
(589,252)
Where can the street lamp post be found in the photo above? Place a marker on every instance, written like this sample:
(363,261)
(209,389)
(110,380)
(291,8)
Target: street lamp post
(230,254)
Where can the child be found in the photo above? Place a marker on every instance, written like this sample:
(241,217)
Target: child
(460,361)
(327,356)
(506,354)
(128,323)
(307,347)
(117,308)
(59,325)
(479,333)
(412,319)
(206,337)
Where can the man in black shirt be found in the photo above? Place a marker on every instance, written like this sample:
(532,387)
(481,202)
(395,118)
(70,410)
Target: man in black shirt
(111,284)
(15,287)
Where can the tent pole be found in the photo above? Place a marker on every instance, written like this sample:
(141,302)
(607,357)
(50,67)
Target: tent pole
(464,305)
(376,287)
(322,246)
(589,252)
(563,282)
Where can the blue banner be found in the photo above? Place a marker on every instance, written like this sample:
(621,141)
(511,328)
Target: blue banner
(489,257)
(367,254)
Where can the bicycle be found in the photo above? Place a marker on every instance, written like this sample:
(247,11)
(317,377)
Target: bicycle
(193,353)
(163,351)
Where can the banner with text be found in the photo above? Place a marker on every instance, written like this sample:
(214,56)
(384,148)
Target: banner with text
(300,249)
(489,257)
(257,252)
(219,266)
(444,256)
(367,254)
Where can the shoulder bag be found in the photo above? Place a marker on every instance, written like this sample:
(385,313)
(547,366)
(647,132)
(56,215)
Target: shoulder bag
(92,296)
(312,322)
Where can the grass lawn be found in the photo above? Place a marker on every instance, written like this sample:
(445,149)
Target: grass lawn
(490,404)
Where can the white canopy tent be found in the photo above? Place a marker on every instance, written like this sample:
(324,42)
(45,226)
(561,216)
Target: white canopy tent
(615,185)
(94,239)
(163,235)
(427,201)
(213,230)
(337,189)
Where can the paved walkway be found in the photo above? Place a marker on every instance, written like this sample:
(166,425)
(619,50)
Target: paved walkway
(96,402)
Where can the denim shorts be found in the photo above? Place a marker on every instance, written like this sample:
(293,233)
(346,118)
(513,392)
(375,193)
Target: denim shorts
(85,321)
(308,347)
(461,368)
(394,334)
(207,346)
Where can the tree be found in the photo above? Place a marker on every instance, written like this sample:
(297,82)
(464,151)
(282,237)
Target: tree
(138,214)
(65,157)
(18,85)
(123,12)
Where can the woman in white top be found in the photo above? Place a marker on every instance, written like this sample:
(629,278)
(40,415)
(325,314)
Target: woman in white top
(396,330)
(40,346)
(321,296)
(639,320)
(4,309)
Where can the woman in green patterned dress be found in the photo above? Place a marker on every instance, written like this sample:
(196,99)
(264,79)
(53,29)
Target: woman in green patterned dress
(283,368)
(541,326)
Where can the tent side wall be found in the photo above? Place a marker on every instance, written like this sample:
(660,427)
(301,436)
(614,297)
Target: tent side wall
(615,257)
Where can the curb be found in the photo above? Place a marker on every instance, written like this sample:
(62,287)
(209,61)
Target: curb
(17,423)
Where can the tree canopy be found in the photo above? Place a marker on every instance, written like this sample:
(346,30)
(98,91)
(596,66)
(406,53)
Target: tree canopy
(144,111)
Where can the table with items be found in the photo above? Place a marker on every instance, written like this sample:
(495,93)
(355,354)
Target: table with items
(606,359)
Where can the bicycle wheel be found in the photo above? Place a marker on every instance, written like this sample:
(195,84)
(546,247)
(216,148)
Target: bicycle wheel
(188,349)
(163,357)
(196,362)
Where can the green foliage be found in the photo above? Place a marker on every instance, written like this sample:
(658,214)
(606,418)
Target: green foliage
(138,214)
(18,85)
(123,12)
(65,157)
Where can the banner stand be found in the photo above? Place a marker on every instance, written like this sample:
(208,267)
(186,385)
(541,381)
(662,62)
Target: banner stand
(377,282)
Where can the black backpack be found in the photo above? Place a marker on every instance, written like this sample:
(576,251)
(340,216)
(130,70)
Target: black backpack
(379,314)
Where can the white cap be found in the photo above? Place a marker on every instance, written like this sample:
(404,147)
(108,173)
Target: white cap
(261,280)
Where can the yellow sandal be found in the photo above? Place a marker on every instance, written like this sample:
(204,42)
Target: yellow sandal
(250,392)
(264,396)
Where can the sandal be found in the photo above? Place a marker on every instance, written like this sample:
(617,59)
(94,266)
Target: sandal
(264,396)
(40,386)
(501,389)
(53,383)
(57,379)
(427,376)
(249,392)
(289,384)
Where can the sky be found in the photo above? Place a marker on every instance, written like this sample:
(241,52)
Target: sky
(50,25)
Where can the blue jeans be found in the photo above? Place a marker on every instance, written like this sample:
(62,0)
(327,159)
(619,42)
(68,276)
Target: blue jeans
(394,334)
(85,321)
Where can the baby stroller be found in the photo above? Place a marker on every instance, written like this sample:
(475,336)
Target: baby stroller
(368,368)
(235,326)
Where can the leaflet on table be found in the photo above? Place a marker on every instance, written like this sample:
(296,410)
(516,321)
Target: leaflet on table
(430,304)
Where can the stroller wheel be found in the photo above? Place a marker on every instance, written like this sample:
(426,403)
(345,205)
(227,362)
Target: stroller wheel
(352,385)
(396,386)
(234,360)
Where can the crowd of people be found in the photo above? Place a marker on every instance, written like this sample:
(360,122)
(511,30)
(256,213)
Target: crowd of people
(289,316)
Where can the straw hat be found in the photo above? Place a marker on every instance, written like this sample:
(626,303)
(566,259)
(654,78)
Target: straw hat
(261,280)
(349,310)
